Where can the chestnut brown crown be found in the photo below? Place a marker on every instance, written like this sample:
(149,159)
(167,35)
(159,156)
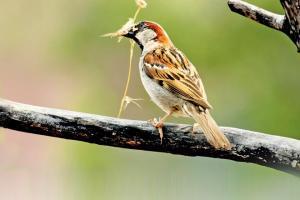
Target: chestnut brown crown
(146,31)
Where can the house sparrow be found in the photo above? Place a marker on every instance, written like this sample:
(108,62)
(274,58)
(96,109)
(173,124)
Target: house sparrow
(172,81)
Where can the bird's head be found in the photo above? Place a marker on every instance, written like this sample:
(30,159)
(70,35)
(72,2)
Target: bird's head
(146,34)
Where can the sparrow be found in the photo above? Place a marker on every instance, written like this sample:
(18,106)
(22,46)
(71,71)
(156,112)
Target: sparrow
(173,82)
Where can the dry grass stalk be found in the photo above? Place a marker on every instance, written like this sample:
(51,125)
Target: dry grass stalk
(126,99)
(123,30)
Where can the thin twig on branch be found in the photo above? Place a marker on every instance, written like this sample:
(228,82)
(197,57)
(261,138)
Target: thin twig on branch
(268,150)
(288,23)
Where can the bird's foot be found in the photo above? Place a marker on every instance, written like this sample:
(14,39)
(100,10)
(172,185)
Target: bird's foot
(158,124)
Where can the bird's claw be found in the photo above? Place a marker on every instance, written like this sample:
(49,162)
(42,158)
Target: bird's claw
(158,124)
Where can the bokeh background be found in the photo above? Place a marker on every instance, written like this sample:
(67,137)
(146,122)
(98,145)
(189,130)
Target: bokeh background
(51,54)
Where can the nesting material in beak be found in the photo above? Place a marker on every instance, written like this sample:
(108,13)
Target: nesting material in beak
(126,30)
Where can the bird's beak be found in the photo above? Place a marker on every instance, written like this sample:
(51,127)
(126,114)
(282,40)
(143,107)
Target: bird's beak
(130,33)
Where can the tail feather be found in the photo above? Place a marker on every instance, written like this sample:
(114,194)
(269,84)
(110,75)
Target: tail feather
(211,130)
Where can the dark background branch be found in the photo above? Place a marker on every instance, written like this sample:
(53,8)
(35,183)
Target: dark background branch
(271,151)
(288,23)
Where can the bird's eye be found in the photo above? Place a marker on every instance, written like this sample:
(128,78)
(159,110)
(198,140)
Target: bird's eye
(142,26)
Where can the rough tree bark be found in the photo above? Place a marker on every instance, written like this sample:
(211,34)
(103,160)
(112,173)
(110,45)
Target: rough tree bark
(268,150)
(288,23)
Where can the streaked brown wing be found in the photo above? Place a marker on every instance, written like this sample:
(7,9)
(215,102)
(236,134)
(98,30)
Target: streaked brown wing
(175,73)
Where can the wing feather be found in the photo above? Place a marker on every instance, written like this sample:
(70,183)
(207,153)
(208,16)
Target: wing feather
(177,75)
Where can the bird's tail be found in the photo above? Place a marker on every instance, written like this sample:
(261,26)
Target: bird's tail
(211,130)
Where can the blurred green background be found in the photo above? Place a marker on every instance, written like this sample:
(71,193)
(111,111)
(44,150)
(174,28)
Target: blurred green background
(51,54)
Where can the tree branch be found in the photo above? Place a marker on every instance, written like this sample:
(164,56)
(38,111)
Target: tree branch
(288,23)
(271,151)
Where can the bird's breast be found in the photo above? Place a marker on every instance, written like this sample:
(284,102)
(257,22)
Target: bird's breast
(158,94)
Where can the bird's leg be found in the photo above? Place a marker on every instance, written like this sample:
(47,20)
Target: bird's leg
(160,123)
